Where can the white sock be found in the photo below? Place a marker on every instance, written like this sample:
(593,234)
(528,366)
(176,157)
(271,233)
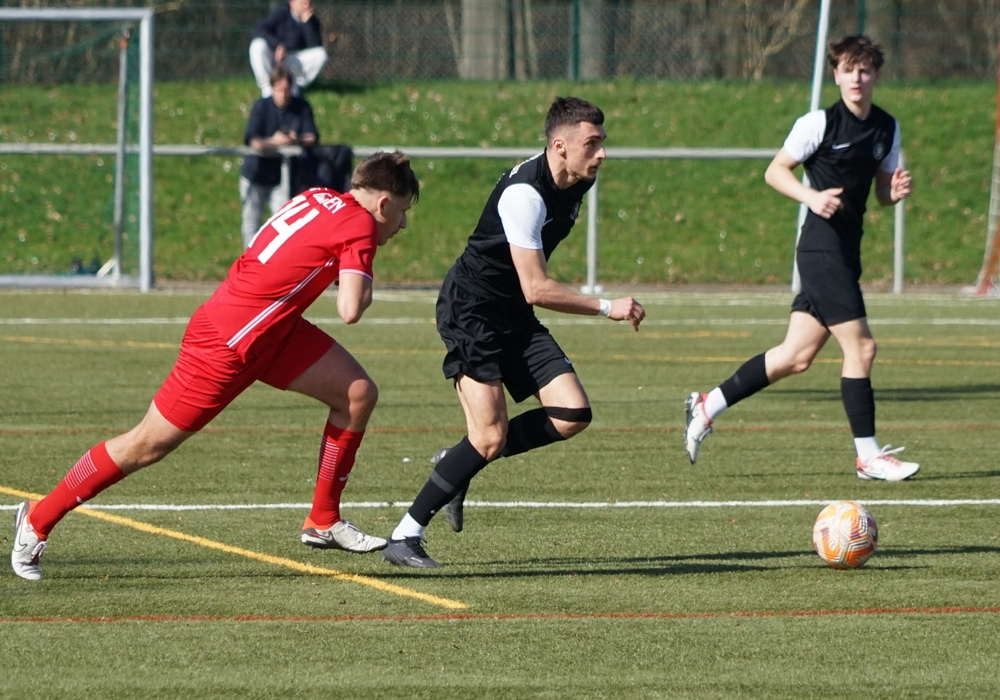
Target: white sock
(715,403)
(408,527)
(868,448)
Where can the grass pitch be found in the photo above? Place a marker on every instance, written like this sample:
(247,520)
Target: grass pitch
(612,582)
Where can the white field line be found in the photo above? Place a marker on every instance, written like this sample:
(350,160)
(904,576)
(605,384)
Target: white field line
(551,321)
(708,297)
(933,503)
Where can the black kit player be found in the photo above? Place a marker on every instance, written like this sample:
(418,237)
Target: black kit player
(843,148)
(486,320)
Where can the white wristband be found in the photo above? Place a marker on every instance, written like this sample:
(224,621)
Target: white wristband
(605,309)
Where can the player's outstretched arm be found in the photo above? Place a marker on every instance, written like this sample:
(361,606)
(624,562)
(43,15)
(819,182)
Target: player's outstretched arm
(541,290)
(892,187)
(779,175)
(354,295)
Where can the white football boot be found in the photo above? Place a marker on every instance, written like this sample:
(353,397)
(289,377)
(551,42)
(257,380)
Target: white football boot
(28,546)
(885,467)
(341,535)
(698,424)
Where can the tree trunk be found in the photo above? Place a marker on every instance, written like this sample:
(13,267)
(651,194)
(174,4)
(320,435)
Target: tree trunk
(593,40)
(485,40)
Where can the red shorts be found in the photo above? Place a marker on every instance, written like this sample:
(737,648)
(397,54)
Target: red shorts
(209,374)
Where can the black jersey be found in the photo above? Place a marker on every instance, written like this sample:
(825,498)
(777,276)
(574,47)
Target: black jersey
(840,150)
(526,209)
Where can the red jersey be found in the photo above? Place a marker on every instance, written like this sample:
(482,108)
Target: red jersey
(296,255)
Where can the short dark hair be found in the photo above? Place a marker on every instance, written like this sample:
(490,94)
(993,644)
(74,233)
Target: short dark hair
(853,50)
(279,73)
(567,111)
(387,172)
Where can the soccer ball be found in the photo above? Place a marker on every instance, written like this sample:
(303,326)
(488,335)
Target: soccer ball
(845,535)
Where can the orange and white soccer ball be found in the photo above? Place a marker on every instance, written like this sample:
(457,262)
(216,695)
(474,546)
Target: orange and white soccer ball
(845,535)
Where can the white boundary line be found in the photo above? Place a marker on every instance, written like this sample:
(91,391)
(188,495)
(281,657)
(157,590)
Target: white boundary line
(721,296)
(930,502)
(551,321)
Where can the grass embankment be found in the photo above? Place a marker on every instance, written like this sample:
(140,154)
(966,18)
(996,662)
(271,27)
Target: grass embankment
(660,221)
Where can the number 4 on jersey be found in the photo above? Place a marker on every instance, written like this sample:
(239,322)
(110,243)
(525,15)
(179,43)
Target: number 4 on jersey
(285,227)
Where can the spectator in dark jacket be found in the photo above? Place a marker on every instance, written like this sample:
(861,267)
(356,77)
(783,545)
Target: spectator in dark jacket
(275,121)
(289,36)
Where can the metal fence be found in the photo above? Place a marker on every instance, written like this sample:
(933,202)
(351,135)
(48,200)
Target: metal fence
(526,39)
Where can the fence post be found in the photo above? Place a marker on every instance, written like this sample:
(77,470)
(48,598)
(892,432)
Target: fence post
(119,211)
(2,2)
(574,45)
(898,248)
(592,287)
(285,186)
(146,152)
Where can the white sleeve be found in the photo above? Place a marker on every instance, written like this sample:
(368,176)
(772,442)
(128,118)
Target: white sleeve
(891,161)
(522,213)
(806,135)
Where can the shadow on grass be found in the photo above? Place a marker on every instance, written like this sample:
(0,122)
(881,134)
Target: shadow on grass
(668,565)
(960,475)
(908,552)
(534,567)
(672,565)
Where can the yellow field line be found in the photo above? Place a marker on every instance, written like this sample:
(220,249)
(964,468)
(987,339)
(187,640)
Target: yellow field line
(660,335)
(820,361)
(980,341)
(250,554)
(84,341)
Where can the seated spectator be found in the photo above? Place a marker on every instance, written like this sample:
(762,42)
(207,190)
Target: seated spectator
(275,121)
(289,36)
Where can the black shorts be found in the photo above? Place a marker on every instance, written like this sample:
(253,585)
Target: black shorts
(484,341)
(830,290)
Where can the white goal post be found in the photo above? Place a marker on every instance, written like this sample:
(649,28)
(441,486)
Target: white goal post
(144,18)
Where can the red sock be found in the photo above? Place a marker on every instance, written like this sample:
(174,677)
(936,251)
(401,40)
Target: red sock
(94,472)
(336,459)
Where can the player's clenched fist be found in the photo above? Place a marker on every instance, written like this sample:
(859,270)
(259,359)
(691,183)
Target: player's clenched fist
(627,309)
(827,202)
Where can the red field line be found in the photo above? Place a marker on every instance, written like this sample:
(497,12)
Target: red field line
(229,431)
(951,610)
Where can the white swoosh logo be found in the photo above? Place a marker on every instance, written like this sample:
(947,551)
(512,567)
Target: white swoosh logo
(839,146)
(19,546)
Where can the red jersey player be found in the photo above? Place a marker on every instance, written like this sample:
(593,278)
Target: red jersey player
(252,329)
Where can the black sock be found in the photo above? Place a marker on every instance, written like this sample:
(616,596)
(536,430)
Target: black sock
(750,378)
(529,430)
(454,470)
(859,403)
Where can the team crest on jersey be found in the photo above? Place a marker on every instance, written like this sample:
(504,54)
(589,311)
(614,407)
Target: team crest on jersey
(879,150)
(575,212)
